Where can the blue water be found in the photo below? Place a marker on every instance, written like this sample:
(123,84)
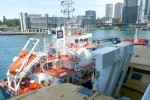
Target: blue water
(11,45)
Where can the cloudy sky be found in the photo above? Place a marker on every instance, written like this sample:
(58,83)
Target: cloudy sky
(12,8)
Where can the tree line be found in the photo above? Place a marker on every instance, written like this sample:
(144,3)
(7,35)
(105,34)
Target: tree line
(11,23)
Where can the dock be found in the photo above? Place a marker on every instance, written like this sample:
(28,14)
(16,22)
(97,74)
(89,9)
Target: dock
(22,33)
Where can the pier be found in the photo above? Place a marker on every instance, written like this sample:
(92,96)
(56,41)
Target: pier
(22,33)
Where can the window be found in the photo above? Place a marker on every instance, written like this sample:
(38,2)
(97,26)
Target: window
(53,32)
(76,41)
(81,40)
(85,40)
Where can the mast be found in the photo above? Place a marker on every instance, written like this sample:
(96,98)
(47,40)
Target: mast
(69,21)
(68,8)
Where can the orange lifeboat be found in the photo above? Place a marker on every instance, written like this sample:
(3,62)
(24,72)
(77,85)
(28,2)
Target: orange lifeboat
(139,41)
(31,87)
(18,63)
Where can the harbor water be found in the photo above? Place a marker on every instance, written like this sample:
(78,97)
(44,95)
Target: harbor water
(11,45)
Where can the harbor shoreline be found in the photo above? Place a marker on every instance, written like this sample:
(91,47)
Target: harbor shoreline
(22,33)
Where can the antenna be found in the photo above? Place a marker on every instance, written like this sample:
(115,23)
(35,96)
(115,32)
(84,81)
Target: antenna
(68,8)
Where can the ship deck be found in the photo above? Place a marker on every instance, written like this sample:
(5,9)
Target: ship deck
(55,72)
(141,57)
(62,92)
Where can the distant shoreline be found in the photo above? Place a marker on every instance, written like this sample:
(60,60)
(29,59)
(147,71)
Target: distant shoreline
(22,33)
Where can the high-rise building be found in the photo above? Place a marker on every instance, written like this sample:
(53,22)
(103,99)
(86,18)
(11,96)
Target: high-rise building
(80,20)
(109,14)
(118,10)
(33,22)
(54,21)
(142,11)
(4,19)
(109,11)
(147,11)
(38,23)
(133,11)
(92,15)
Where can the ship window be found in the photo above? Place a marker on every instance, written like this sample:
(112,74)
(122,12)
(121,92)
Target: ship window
(53,32)
(90,39)
(76,41)
(136,76)
(85,40)
(81,40)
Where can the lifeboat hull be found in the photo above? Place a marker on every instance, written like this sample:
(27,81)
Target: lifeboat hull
(138,42)
(19,61)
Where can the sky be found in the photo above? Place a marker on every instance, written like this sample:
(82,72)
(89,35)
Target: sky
(11,8)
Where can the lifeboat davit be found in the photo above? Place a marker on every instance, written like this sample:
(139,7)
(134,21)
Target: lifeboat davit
(19,61)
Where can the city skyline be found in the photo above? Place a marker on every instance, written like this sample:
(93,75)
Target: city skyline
(12,8)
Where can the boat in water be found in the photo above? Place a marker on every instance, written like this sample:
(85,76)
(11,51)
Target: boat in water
(65,59)
(137,41)
(69,56)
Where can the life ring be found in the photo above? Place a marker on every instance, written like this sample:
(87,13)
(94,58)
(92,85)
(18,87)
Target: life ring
(95,44)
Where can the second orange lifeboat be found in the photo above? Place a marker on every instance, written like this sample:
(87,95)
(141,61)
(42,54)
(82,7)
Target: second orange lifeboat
(139,41)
